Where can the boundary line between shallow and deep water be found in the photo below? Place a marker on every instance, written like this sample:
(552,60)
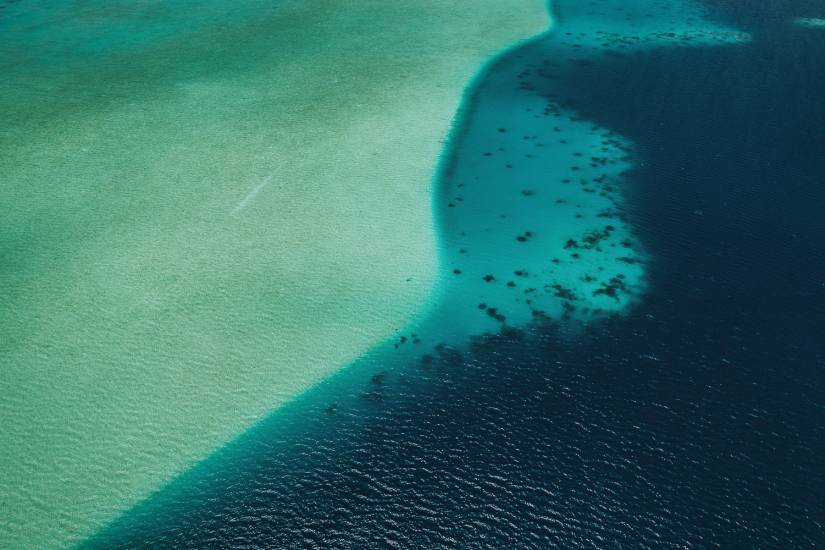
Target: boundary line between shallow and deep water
(468,105)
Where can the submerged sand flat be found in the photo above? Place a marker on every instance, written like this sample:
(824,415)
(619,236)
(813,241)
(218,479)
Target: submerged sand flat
(812,22)
(204,214)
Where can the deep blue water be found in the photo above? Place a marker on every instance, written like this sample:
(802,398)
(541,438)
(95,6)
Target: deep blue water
(698,420)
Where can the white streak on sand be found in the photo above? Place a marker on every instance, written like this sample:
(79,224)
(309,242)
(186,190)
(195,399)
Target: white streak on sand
(252,194)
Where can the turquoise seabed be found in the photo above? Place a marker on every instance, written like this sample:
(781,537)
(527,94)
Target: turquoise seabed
(206,212)
(530,205)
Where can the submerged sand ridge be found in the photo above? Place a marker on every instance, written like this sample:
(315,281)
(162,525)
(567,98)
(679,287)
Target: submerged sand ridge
(205,223)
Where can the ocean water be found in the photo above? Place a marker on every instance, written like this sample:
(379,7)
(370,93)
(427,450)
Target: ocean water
(682,408)
(205,210)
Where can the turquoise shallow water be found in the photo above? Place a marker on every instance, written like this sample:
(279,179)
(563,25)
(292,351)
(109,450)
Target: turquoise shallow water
(692,420)
(206,210)
(530,204)
(534,229)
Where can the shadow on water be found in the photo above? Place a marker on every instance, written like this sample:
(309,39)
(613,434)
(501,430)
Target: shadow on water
(694,420)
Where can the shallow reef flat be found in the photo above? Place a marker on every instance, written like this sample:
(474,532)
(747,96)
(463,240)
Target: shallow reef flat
(533,220)
(207,210)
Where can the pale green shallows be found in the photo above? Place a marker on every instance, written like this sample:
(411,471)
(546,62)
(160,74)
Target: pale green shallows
(205,210)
